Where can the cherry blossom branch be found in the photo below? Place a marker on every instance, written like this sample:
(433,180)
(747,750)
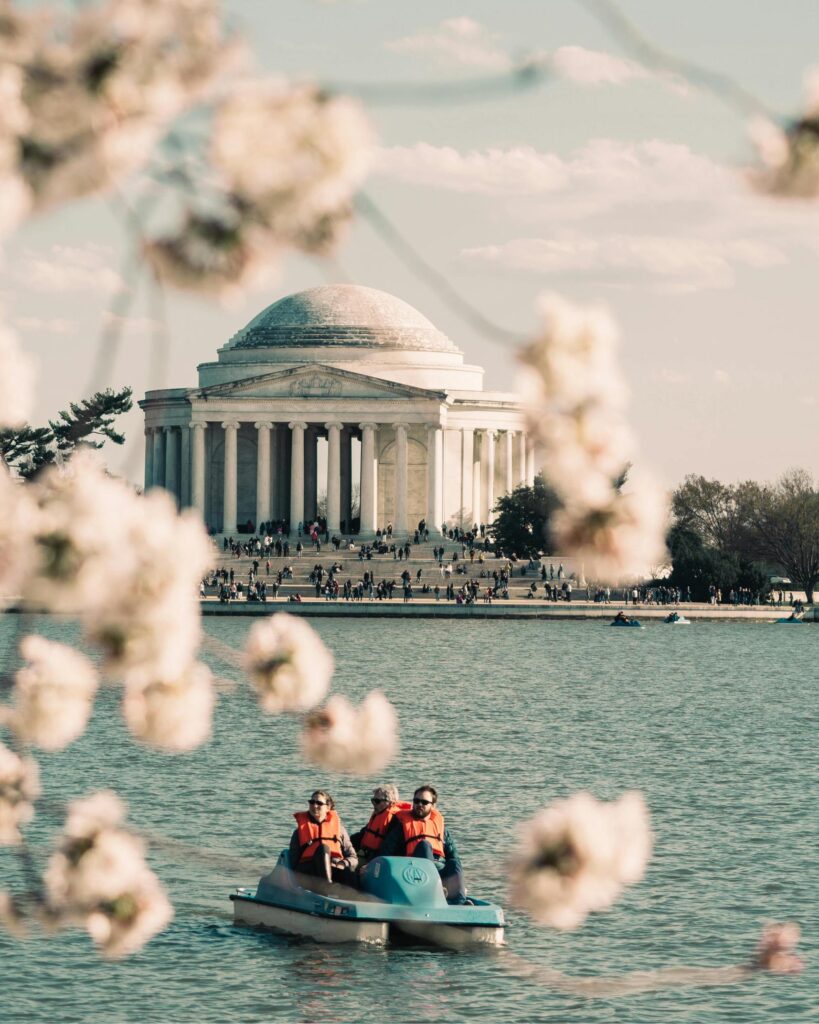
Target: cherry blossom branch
(621,28)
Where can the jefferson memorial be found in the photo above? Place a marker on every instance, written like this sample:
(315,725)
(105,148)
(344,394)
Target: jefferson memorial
(351,385)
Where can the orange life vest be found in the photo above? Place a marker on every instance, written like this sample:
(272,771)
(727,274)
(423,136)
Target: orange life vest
(312,834)
(430,828)
(372,835)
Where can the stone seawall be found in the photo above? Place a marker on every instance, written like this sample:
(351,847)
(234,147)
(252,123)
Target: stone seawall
(499,609)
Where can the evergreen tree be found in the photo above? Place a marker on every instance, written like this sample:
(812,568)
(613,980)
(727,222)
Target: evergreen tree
(522,519)
(28,450)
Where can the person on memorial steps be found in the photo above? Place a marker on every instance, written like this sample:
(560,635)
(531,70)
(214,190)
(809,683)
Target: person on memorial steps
(386,805)
(421,832)
(320,846)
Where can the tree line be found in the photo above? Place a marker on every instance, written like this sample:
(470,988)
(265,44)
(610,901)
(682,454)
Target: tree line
(727,536)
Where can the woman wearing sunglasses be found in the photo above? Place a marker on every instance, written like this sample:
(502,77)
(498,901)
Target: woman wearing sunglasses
(320,846)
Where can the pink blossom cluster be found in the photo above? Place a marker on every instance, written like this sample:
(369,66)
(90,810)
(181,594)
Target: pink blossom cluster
(575,397)
(287,160)
(98,879)
(343,738)
(136,602)
(577,855)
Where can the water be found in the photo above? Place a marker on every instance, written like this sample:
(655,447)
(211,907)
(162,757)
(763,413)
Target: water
(716,723)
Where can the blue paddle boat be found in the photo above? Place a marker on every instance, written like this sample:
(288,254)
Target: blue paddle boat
(792,620)
(675,619)
(627,623)
(400,897)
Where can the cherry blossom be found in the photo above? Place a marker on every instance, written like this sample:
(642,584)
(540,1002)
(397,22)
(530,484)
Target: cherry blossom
(98,879)
(288,664)
(174,713)
(576,856)
(19,787)
(358,741)
(53,693)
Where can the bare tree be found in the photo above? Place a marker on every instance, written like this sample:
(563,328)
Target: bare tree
(785,527)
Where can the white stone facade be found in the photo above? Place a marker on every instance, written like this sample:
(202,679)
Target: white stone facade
(404,419)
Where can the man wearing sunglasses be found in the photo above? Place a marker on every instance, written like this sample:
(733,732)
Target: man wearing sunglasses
(320,847)
(421,832)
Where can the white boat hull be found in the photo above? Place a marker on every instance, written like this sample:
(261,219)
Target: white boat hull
(327,929)
(294,922)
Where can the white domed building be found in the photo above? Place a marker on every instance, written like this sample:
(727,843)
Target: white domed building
(406,423)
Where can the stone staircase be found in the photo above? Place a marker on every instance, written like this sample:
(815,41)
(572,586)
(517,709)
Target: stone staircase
(386,567)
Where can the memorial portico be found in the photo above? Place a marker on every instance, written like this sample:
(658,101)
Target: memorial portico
(337,391)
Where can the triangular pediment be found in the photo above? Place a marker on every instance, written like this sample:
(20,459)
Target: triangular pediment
(316,381)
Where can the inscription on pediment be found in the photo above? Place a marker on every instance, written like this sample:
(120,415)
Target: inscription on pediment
(317,385)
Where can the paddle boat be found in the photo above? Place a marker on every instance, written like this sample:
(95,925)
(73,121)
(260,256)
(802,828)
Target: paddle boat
(792,620)
(675,619)
(624,620)
(400,898)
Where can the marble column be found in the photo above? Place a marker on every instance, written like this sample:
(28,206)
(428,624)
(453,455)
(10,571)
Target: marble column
(172,463)
(521,476)
(262,472)
(367,486)
(435,457)
(346,479)
(296,475)
(184,467)
(149,458)
(198,467)
(467,446)
(310,471)
(489,467)
(477,511)
(333,477)
(274,486)
(530,462)
(399,527)
(231,429)
(508,461)
(159,457)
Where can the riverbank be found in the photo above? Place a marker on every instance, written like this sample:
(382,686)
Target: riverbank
(499,609)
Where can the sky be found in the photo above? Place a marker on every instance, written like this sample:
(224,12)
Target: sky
(610,183)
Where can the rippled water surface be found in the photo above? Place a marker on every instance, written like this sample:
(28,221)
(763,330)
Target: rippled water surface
(716,723)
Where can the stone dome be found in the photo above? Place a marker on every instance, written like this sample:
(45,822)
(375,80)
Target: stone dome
(345,315)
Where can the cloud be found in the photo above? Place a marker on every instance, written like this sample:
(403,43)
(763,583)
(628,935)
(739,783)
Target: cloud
(55,325)
(519,171)
(462,40)
(671,263)
(599,175)
(467,42)
(593,67)
(69,269)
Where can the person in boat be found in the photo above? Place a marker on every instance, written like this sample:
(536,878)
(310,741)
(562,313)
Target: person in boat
(320,846)
(421,832)
(386,805)
(673,617)
(622,617)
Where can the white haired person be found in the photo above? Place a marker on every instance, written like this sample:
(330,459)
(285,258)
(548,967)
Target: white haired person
(386,804)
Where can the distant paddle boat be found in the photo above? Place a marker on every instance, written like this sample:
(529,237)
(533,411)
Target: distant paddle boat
(399,897)
(675,619)
(623,620)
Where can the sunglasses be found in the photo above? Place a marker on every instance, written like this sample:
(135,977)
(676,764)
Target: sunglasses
(378,800)
(425,803)
(317,803)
